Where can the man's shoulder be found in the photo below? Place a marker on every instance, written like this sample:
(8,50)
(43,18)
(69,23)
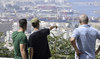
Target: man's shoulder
(22,35)
(93,28)
(76,29)
(38,32)
(44,29)
(34,34)
(14,32)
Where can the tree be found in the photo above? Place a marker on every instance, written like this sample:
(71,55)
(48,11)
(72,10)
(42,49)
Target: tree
(1,33)
(60,48)
(4,52)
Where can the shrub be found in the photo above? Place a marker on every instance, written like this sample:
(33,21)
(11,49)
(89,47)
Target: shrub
(60,48)
(1,33)
(4,52)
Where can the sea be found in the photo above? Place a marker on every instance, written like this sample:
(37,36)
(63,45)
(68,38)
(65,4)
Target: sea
(86,9)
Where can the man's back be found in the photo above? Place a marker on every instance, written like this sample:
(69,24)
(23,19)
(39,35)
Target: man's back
(19,38)
(86,39)
(38,41)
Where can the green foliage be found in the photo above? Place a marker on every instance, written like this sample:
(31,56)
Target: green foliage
(98,56)
(1,33)
(4,52)
(2,44)
(60,48)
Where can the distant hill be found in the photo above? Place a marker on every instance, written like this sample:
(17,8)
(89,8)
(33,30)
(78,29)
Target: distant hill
(83,0)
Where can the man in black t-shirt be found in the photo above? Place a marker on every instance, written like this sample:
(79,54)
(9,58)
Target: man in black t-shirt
(38,43)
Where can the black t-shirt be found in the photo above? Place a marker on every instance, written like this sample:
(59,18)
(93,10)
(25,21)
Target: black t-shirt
(38,41)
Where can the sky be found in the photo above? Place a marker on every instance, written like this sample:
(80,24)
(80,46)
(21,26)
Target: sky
(83,0)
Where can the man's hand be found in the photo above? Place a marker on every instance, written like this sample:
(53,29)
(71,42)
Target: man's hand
(78,53)
(97,51)
(53,27)
(75,47)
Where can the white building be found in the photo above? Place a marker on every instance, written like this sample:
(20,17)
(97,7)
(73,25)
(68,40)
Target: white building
(59,1)
(15,26)
(8,37)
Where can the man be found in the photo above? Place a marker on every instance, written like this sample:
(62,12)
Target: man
(84,38)
(38,43)
(20,41)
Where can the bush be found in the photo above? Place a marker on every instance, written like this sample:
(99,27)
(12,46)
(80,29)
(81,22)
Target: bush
(98,56)
(60,48)
(1,33)
(4,52)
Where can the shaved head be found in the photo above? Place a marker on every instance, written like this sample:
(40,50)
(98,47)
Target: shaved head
(84,19)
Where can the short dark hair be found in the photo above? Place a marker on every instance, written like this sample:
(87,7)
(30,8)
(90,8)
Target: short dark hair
(22,22)
(35,24)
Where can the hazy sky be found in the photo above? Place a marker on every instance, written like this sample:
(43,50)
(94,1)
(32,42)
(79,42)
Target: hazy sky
(83,0)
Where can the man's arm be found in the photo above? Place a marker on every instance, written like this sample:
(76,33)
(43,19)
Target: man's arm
(52,27)
(97,51)
(74,45)
(98,37)
(31,53)
(22,50)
